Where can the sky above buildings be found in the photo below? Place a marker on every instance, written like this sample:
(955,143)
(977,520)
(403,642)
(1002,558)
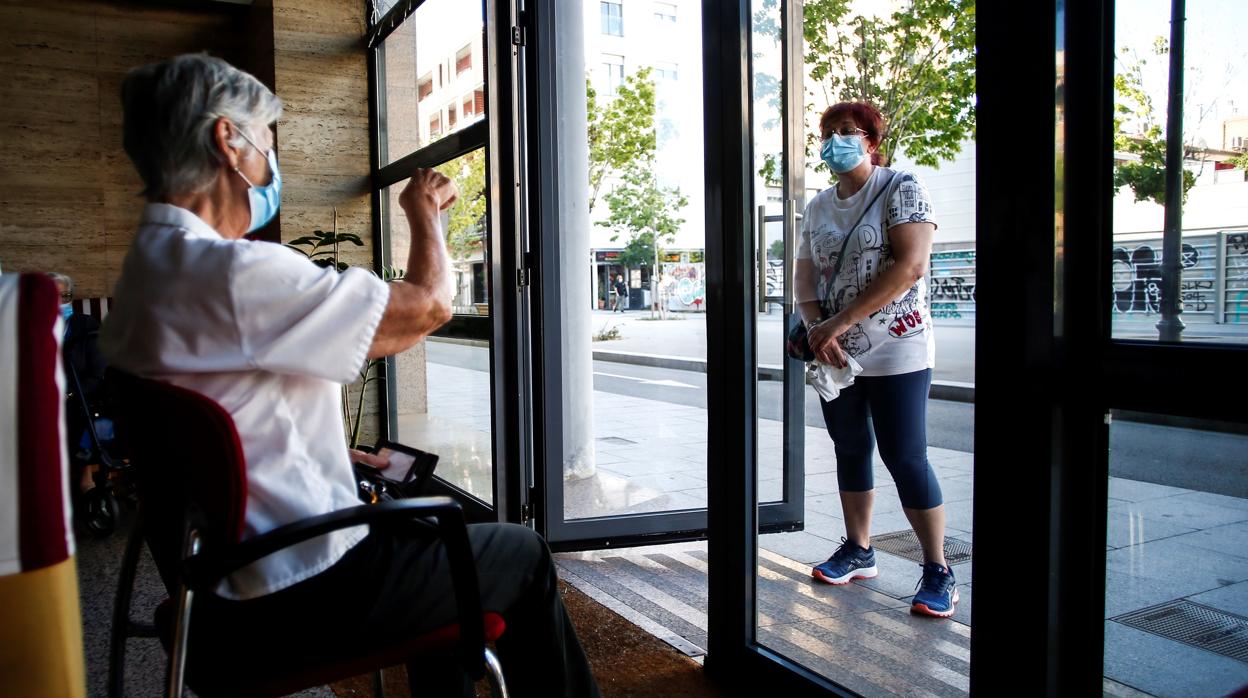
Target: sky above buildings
(1216,58)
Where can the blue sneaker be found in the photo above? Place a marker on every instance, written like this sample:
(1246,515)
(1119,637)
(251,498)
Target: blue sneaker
(849,562)
(937,592)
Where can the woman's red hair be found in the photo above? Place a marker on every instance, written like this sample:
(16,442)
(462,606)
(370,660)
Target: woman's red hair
(864,115)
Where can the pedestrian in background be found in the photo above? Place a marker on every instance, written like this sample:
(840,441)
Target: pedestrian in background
(621,294)
(861,287)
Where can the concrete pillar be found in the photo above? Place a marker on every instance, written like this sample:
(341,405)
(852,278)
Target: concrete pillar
(573,236)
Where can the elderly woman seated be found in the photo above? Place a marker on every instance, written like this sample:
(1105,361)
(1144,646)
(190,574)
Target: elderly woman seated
(271,337)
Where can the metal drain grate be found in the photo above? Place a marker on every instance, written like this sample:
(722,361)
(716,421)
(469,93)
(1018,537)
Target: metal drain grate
(906,544)
(1194,624)
(616,440)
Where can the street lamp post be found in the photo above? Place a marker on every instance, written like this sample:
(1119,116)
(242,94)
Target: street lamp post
(1170,328)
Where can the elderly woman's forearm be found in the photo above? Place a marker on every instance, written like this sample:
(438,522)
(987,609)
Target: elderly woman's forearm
(421,302)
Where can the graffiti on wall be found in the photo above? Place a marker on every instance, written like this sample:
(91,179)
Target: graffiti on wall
(952,288)
(948,311)
(684,283)
(1137,281)
(1237,275)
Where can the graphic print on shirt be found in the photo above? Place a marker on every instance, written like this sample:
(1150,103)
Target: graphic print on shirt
(867,255)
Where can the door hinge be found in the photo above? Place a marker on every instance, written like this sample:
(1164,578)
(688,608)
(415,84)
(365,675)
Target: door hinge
(526,512)
(518,33)
(522,277)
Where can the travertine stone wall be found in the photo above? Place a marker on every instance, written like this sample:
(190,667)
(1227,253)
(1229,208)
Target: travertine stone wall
(68,194)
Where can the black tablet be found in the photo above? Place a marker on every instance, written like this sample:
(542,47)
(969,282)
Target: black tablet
(411,466)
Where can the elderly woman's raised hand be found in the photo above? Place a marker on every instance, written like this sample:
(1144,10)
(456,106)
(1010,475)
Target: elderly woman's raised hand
(428,188)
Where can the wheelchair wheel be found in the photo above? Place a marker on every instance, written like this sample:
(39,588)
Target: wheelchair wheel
(99,512)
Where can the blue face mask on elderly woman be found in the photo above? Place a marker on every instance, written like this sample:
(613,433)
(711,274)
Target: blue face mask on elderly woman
(264,200)
(843,153)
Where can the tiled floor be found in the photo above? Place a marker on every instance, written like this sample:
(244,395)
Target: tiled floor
(1164,543)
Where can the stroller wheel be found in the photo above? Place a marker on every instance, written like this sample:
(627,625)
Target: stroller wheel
(99,512)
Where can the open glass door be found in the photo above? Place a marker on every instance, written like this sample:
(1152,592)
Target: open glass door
(617,168)
(434,87)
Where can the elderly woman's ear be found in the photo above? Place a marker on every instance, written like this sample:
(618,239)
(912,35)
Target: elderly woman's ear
(222,133)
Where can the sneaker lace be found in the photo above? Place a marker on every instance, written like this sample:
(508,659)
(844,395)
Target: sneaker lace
(843,551)
(933,581)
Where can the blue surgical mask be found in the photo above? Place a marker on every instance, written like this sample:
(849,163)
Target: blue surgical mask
(264,200)
(67,309)
(843,153)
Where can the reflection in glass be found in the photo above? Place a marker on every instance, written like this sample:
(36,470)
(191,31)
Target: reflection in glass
(443,384)
(1213,238)
(1176,558)
(434,76)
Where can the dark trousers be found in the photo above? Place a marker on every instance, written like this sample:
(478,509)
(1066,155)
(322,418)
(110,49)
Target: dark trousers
(394,585)
(892,409)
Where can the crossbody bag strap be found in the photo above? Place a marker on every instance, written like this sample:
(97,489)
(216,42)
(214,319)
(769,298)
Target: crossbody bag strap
(840,259)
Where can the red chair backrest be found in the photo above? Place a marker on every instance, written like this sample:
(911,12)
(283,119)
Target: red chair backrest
(187,454)
(34,521)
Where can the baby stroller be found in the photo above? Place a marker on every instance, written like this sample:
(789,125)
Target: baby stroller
(94,445)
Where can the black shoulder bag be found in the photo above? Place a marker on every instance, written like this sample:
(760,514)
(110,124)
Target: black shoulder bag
(798,343)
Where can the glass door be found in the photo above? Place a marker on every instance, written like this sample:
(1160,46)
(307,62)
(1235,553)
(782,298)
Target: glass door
(617,178)
(434,88)
(877,468)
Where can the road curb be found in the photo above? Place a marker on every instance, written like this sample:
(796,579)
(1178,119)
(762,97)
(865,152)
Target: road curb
(953,391)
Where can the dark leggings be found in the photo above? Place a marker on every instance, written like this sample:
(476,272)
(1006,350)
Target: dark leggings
(894,410)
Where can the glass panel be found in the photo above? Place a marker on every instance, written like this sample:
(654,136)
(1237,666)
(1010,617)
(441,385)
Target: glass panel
(1176,557)
(861,626)
(769,197)
(443,384)
(612,18)
(635,400)
(1210,238)
(434,76)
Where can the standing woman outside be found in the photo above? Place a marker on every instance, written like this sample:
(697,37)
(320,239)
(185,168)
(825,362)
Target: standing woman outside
(862,292)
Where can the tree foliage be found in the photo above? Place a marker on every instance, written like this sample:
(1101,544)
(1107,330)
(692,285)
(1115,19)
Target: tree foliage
(646,210)
(621,131)
(465,228)
(1137,130)
(623,148)
(917,66)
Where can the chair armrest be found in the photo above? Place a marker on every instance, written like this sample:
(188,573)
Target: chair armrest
(204,570)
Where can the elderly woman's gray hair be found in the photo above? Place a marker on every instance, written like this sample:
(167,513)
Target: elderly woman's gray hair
(169,111)
(62,280)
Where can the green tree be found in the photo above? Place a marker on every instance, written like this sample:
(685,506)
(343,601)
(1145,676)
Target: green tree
(917,66)
(621,131)
(1137,130)
(646,211)
(465,228)
(776,250)
(1240,161)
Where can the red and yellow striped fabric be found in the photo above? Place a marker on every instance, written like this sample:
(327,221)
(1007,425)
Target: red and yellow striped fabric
(41,635)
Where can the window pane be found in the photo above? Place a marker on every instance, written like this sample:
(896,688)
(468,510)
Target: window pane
(431,62)
(640,384)
(612,18)
(1176,557)
(443,383)
(1210,245)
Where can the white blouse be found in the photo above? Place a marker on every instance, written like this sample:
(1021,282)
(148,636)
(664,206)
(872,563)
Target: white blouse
(269,336)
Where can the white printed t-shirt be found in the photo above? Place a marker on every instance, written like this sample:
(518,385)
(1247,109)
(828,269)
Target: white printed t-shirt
(269,336)
(898,338)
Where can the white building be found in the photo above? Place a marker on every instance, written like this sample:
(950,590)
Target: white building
(621,37)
